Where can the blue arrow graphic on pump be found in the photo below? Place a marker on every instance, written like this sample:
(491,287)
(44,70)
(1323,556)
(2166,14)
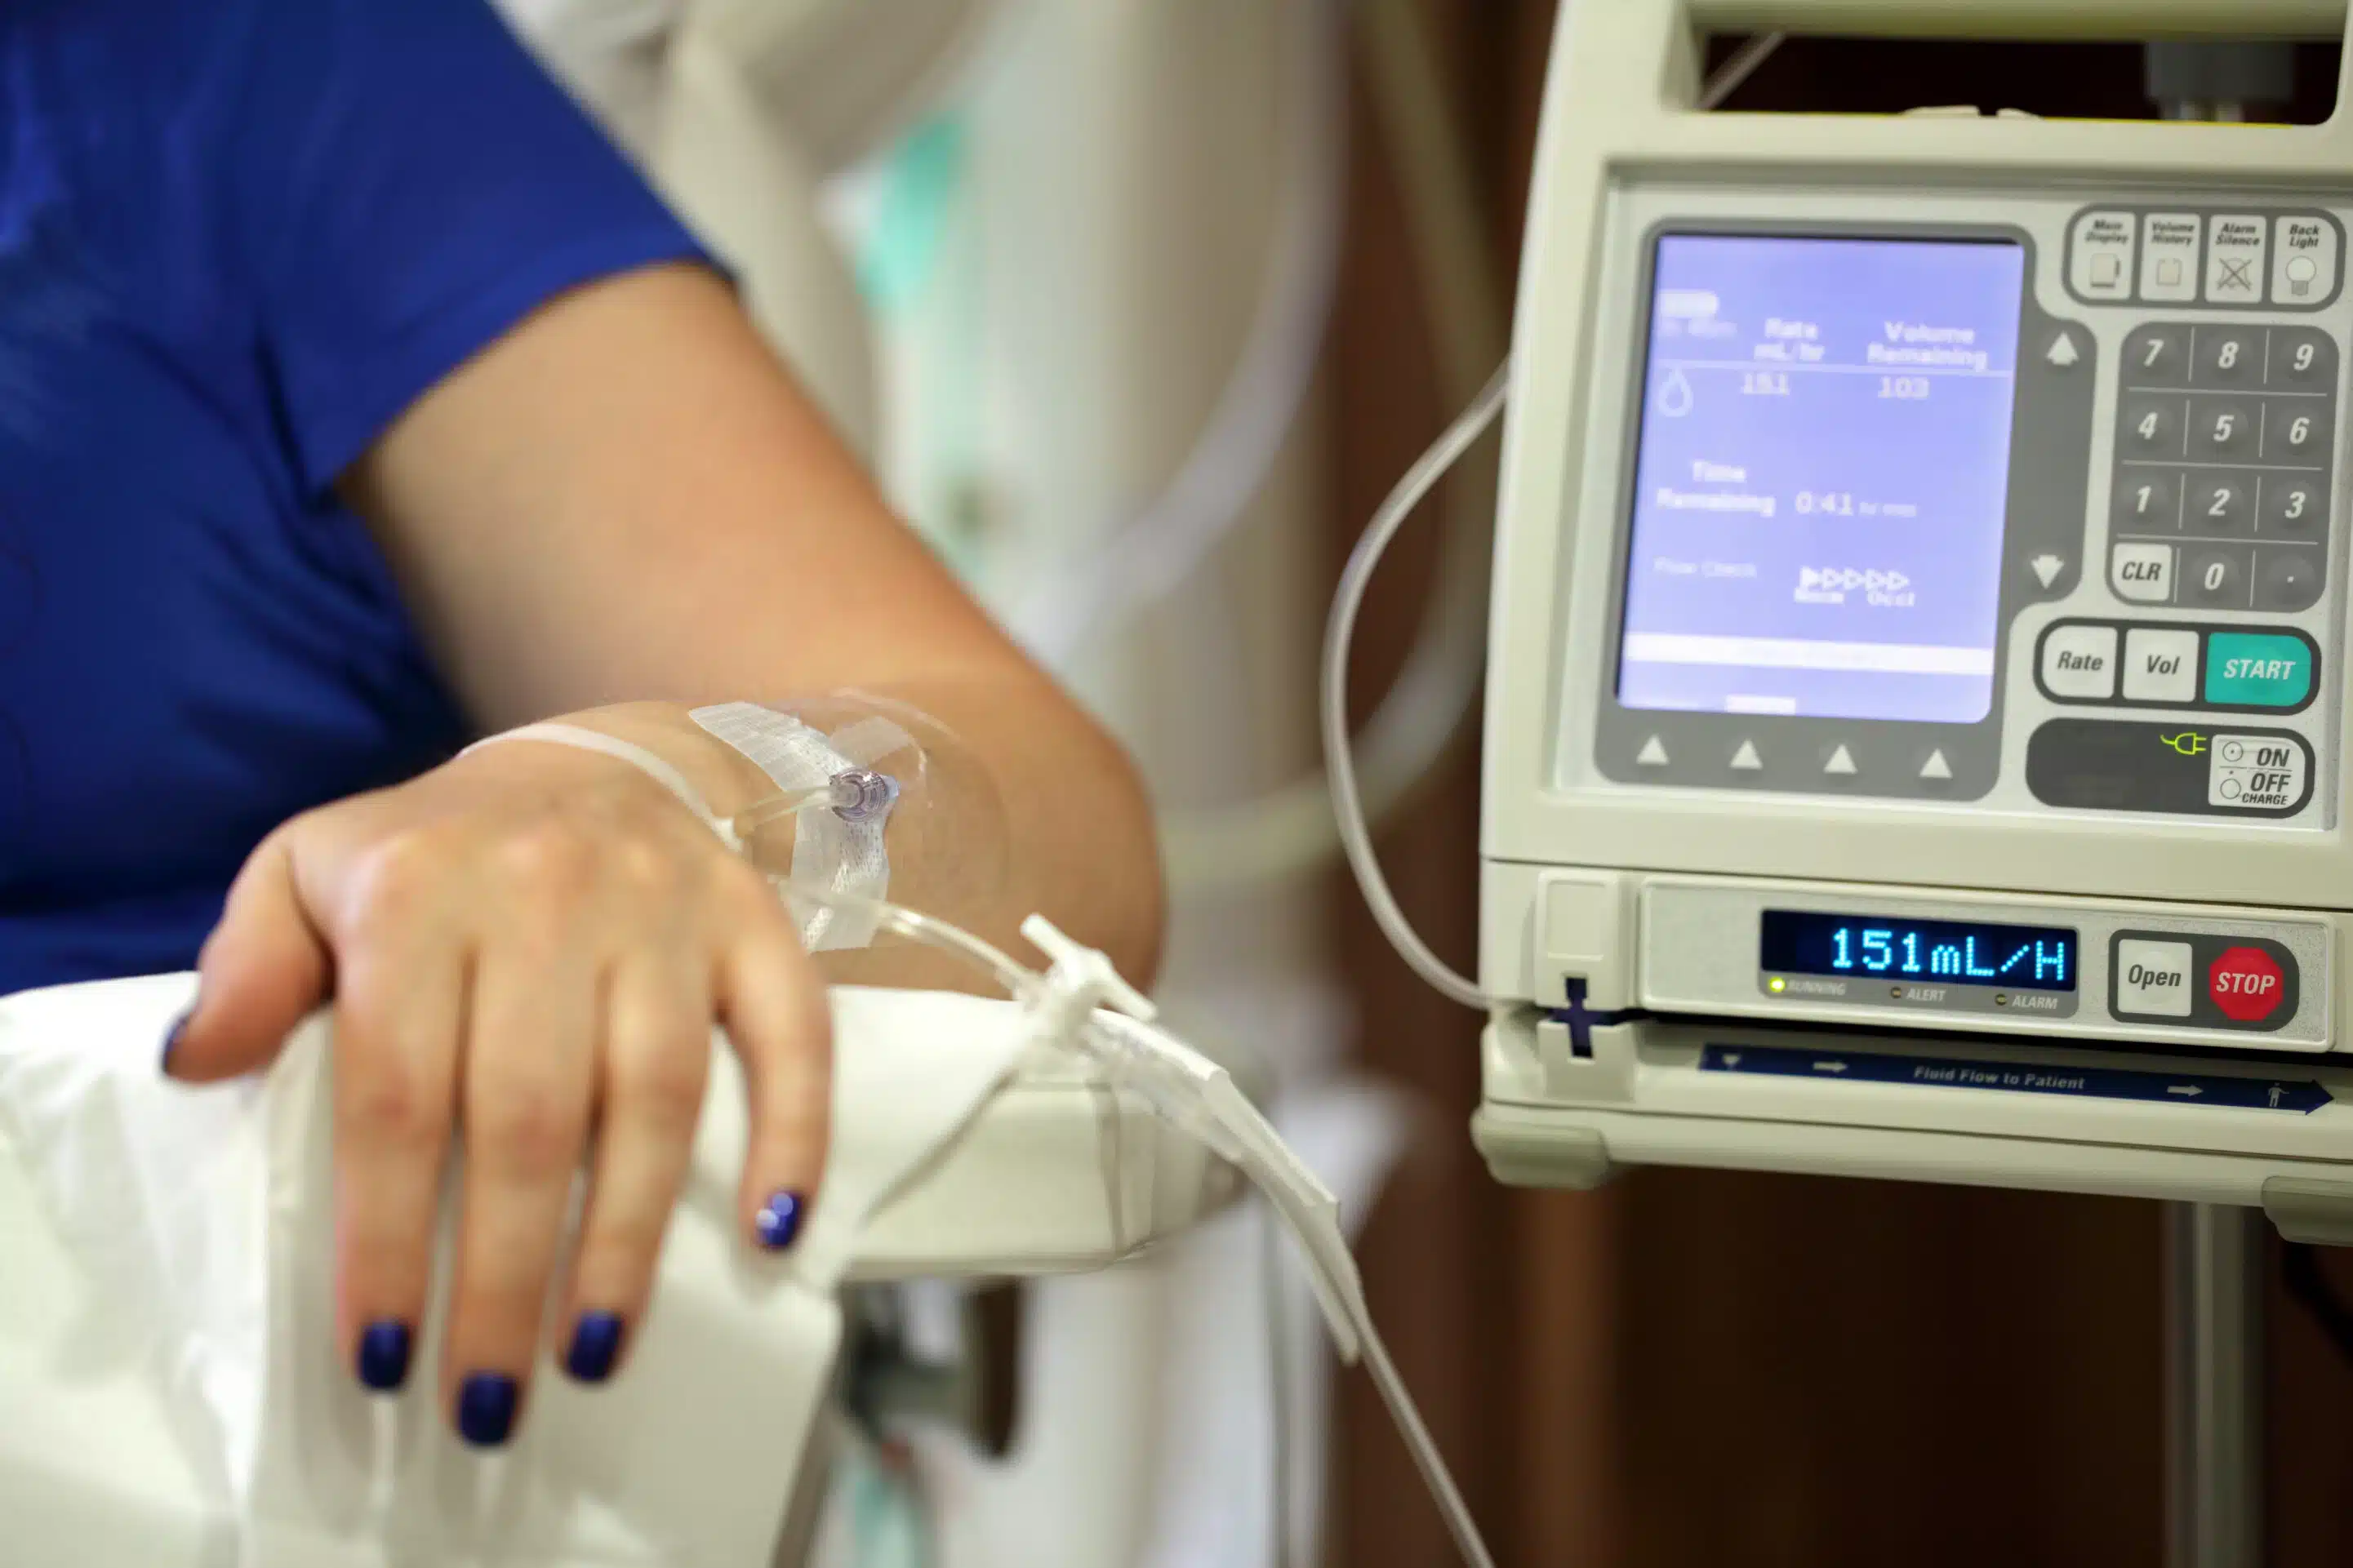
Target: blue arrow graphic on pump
(2299,1096)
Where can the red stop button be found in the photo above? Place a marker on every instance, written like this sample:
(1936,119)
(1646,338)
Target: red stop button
(2246,984)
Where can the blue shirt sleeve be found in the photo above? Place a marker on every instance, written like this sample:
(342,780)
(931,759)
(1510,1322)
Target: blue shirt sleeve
(411,184)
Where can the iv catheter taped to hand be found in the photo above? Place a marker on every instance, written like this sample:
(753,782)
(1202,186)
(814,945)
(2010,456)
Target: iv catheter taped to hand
(832,788)
(838,849)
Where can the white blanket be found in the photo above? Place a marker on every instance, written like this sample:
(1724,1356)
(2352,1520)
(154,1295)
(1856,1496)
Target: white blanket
(171,1395)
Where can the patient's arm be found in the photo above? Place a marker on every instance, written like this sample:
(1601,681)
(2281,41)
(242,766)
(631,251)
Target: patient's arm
(621,510)
(629,499)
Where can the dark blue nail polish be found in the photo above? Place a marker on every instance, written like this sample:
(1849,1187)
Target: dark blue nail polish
(383,1356)
(779,1220)
(172,1042)
(486,1409)
(595,1346)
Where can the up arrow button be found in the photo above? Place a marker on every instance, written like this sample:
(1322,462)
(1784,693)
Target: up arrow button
(2062,352)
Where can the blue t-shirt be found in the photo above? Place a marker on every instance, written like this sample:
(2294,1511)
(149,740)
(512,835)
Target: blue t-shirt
(237,238)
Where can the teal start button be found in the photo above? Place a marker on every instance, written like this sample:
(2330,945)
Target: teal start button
(2257,670)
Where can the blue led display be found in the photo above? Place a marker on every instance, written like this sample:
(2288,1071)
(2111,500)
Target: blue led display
(1957,952)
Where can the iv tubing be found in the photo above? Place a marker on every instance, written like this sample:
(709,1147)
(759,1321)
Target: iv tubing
(1339,763)
(1026,985)
(1339,760)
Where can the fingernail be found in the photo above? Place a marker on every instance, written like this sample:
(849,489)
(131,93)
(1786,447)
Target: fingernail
(595,1346)
(383,1356)
(486,1409)
(172,1041)
(779,1220)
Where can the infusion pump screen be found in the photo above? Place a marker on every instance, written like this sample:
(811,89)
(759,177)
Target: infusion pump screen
(1821,478)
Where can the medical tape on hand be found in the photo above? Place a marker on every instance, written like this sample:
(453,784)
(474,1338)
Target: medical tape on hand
(832,851)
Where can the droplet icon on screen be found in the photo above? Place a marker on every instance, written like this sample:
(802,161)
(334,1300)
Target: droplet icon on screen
(1674,396)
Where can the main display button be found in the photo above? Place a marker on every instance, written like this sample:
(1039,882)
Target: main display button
(2254,773)
(2160,666)
(2169,255)
(2221,503)
(2141,572)
(2246,984)
(1746,760)
(2296,430)
(2215,576)
(2153,978)
(2152,427)
(1936,770)
(2304,260)
(2236,244)
(2100,266)
(2287,579)
(2258,669)
(1653,753)
(2147,500)
(2294,504)
(2156,356)
(2227,356)
(2223,429)
(2302,359)
(2079,662)
(1840,764)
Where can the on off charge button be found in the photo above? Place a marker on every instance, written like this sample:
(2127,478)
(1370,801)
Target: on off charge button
(2246,984)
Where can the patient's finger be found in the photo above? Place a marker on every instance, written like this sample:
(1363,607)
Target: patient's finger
(657,1061)
(527,1082)
(398,1025)
(773,1004)
(264,969)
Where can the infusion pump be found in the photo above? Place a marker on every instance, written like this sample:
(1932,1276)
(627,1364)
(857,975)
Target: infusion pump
(1915,745)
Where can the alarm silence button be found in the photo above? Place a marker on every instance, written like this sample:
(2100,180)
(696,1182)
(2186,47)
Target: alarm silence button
(2246,984)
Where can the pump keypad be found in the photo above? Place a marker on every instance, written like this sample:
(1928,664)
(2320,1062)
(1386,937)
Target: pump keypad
(2223,482)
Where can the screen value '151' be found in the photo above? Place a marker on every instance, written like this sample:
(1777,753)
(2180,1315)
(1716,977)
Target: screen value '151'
(1957,953)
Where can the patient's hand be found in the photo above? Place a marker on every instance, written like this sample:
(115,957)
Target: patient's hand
(530,945)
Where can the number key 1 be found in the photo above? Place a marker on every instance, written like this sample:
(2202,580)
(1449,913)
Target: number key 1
(2147,500)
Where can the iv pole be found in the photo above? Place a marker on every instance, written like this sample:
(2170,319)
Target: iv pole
(2215,1253)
